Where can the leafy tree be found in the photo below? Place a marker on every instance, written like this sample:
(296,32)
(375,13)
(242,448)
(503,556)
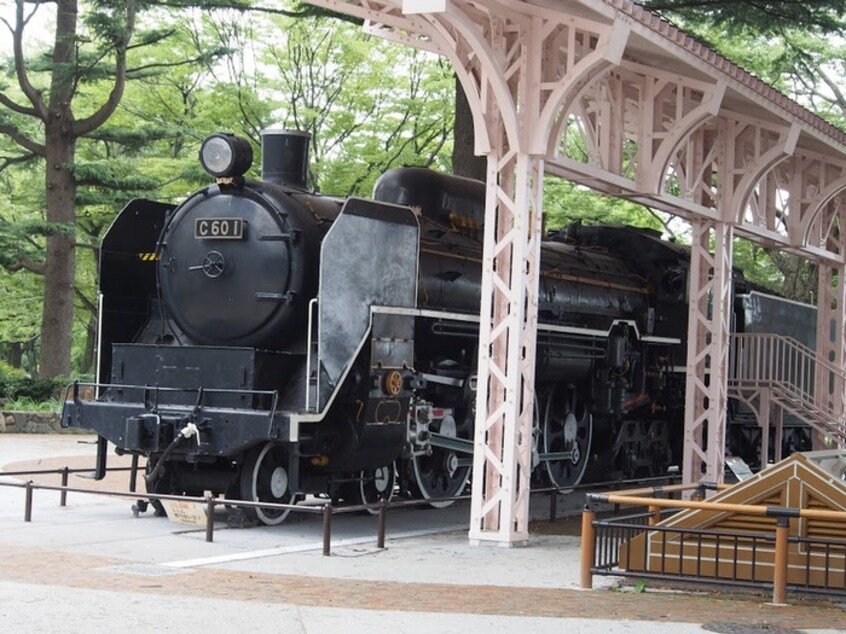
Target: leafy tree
(54,107)
(755,17)
(368,104)
(565,202)
(47,124)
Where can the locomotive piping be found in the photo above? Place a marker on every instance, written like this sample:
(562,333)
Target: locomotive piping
(184,434)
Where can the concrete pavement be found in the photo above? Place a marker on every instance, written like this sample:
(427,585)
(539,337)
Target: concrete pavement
(93,567)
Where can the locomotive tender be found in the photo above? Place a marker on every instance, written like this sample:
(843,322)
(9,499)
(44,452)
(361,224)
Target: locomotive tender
(264,342)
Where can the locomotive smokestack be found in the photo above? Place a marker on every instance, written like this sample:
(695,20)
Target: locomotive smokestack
(284,157)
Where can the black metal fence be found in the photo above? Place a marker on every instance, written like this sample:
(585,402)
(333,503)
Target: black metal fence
(327,511)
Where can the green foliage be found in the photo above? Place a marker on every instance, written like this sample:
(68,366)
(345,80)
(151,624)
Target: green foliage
(19,240)
(369,104)
(37,390)
(566,202)
(761,17)
(10,373)
(757,265)
(27,404)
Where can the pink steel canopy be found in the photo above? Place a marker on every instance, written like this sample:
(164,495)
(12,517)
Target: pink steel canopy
(606,94)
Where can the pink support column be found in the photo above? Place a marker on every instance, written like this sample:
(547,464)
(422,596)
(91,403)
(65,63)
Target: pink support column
(502,460)
(707,352)
(830,386)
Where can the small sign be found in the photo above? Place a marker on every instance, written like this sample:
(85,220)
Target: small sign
(191,513)
(219,228)
(739,468)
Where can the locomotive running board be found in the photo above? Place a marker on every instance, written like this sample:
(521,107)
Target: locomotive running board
(428,313)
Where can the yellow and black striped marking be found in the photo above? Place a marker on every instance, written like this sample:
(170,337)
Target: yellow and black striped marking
(148,257)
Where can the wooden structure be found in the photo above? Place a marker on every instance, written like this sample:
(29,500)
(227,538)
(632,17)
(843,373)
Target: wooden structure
(733,545)
(606,94)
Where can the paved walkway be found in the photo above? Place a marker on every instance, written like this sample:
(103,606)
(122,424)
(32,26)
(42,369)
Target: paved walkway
(90,568)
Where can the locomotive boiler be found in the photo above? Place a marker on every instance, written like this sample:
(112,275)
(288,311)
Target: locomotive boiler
(264,342)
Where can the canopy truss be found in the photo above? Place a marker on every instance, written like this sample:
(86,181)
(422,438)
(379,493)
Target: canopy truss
(606,94)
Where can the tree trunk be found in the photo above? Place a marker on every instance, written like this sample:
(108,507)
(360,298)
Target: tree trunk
(464,161)
(14,354)
(60,264)
(60,148)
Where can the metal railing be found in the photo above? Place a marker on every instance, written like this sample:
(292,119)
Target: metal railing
(710,555)
(210,502)
(326,510)
(793,372)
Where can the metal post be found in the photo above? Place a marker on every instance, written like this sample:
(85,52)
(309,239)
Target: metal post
(63,497)
(588,546)
(780,569)
(133,472)
(383,509)
(28,502)
(553,506)
(327,530)
(210,517)
(654,514)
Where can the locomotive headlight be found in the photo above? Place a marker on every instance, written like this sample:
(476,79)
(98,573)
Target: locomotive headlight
(226,155)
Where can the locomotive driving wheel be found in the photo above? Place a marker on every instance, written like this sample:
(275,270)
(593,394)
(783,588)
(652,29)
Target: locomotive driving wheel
(264,478)
(445,471)
(567,431)
(376,484)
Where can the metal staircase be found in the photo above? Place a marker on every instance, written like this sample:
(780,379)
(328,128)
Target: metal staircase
(791,372)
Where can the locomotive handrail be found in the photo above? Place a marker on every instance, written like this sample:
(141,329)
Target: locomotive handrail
(309,347)
(74,388)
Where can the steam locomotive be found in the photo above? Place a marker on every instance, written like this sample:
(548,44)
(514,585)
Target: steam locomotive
(264,342)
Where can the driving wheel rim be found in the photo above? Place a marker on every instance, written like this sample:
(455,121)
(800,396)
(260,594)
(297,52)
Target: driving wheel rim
(377,484)
(567,426)
(267,480)
(439,474)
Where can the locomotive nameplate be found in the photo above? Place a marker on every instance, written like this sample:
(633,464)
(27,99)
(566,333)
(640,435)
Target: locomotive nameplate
(219,228)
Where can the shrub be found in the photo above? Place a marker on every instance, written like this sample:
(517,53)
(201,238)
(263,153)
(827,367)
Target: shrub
(14,386)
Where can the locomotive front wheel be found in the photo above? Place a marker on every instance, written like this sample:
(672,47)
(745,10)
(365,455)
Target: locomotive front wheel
(567,432)
(264,478)
(375,485)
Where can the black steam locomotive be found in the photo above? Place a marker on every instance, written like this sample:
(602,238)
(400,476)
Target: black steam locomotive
(264,342)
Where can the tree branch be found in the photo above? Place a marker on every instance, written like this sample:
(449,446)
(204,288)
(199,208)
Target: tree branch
(34,96)
(91,123)
(21,139)
(16,107)
(86,303)
(27,264)
(6,161)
